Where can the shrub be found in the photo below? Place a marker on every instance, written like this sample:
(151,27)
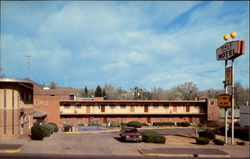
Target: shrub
(202,140)
(144,124)
(113,124)
(135,124)
(218,142)
(240,143)
(123,124)
(55,126)
(37,133)
(66,128)
(47,129)
(183,124)
(153,137)
(207,134)
(163,124)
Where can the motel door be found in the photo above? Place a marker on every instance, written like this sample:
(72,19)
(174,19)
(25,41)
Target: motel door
(148,120)
(145,108)
(190,119)
(88,109)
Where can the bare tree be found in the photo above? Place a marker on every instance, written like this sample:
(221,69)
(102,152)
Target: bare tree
(188,90)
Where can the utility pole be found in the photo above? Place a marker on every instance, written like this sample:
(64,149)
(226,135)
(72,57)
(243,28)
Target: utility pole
(28,65)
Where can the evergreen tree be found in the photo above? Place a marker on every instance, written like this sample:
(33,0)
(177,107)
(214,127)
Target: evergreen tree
(86,93)
(98,92)
(104,94)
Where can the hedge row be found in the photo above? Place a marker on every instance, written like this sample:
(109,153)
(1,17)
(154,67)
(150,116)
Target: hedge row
(153,137)
(136,124)
(239,132)
(183,124)
(163,124)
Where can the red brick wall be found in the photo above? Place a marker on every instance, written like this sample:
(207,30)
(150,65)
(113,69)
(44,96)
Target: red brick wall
(50,105)
(213,111)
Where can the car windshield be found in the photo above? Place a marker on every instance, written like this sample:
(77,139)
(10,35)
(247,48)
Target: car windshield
(130,130)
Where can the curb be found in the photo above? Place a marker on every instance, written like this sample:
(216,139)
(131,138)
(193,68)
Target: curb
(184,155)
(12,150)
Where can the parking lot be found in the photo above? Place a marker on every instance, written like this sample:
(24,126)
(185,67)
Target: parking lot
(109,144)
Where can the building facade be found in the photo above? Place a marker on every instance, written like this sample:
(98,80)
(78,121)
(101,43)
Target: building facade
(48,101)
(148,111)
(16,107)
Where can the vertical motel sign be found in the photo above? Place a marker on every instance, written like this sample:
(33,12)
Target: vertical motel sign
(229,51)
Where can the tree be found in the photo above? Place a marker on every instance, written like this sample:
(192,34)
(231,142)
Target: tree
(104,94)
(188,90)
(86,93)
(53,85)
(98,92)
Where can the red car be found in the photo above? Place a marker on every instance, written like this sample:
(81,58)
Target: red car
(130,134)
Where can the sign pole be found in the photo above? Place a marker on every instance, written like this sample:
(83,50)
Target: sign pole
(226,113)
(232,140)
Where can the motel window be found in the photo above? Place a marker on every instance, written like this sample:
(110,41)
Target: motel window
(155,105)
(123,106)
(78,106)
(212,103)
(112,106)
(166,105)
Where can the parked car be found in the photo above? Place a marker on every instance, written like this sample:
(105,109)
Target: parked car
(130,134)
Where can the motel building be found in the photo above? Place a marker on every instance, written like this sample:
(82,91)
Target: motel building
(62,106)
(16,107)
(147,111)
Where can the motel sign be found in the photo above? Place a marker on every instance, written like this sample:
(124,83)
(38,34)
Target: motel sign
(230,50)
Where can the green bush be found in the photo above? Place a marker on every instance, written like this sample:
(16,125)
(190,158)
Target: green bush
(202,140)
(135,124)
(113,124)
(153,137)
(183,124)
(163,124)
(55,126)
(47,129)
(37,133)
(123,124)
(207,134)
(66,128)
(144,124)
(218,142)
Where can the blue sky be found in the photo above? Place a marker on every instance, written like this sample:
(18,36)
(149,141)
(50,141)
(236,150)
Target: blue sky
(126,44)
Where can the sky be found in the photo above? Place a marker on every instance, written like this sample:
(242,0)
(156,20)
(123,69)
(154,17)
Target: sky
(126,44)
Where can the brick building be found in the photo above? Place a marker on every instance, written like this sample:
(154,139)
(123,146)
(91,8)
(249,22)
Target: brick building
(48,101)
(62,106)
(16,107)
(148,111)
